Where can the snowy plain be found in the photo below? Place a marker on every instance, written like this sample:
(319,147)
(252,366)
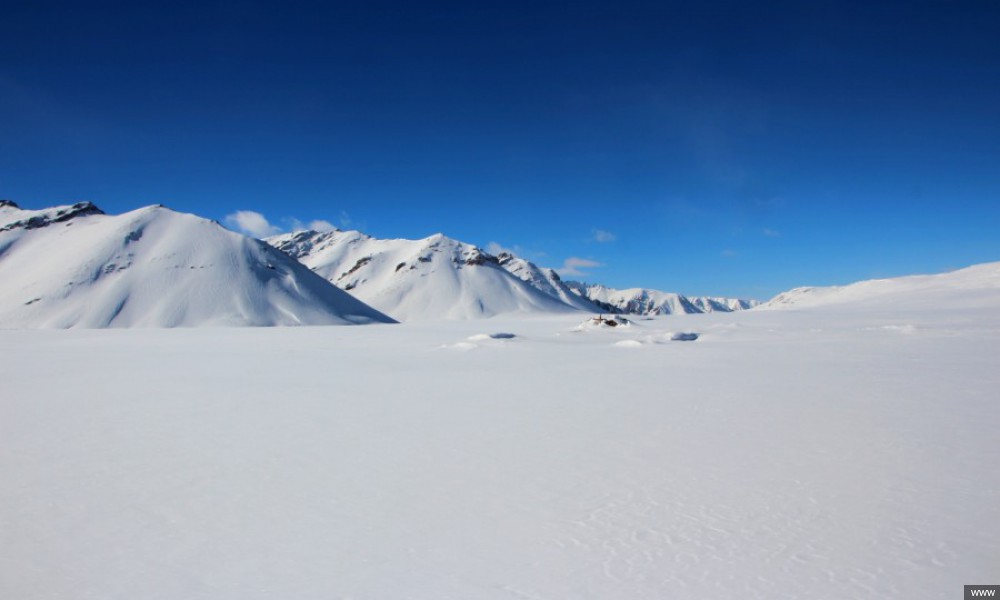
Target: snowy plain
(836,452)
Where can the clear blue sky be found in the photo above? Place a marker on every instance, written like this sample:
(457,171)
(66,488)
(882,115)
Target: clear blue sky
(721,148)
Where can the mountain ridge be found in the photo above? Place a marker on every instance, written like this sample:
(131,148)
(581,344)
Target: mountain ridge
(84,268)
(428,278)
(979,283)
(359,263)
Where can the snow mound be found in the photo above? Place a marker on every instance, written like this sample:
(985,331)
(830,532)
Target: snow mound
(462,346)
(485,337)
(684,336)
(74,266)
(628,344)
(602,322)
(658,338)
(502,336)
(432,278)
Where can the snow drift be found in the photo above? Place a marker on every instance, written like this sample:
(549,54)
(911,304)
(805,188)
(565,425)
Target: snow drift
(74,266)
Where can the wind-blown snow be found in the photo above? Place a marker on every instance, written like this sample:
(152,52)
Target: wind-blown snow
(432,278)
(153,267)
(845,451)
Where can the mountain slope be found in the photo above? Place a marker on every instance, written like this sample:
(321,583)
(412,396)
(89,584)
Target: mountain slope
(439,277)
(545,280)
(977,286)
(640,301)
(432,278)
(77,267)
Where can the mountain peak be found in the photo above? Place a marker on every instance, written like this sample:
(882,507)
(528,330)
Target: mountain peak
(18,218)
(435,277)
(641,301)
(440,277)
(155,267)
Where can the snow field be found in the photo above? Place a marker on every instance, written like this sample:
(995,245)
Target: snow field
(783,454)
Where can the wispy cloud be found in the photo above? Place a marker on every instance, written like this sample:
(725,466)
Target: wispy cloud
(346,222)
(251,223)
(603,237)
(772,233)
(495,248)
(573,266)
(517,250)
(727,253)
(321,225)
(255,224)
(317,225)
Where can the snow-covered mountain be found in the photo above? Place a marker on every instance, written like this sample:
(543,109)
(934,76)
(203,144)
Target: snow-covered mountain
(74,266)
(977,286)
(640,301)
(438,277)
(545,280)
(432,278)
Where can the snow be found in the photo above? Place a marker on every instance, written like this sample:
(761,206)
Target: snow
(641,301)
(841,451)
(438,277)
(546,280)
(974,286)
(432,278)
(74,266)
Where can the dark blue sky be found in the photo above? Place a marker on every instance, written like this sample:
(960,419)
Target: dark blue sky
(713,147)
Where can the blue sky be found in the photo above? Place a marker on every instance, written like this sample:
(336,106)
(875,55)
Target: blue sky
(719,148)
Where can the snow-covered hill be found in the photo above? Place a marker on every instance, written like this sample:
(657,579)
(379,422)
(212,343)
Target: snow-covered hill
(438,277)
(640,301)
(973,287)
(545,280)
(432,278)
(74,266)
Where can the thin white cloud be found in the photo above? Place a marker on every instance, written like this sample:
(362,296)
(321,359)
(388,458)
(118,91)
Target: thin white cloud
(773,233)
(730,253)
(573,266)
(345,220)
(254,224)
(317,225)
(517,250)
(494,248)
(251,223)
(321,225)
(601,236)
